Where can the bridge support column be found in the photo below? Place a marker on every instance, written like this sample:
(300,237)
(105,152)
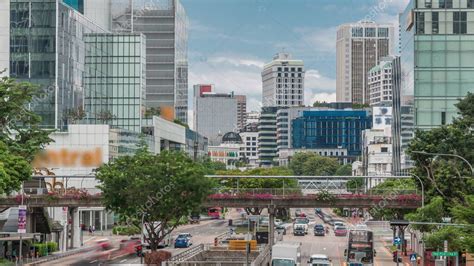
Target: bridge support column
(75,241)
(271,225)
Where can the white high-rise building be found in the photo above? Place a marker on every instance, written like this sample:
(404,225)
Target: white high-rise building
(359,47)
(283,81)
(380,83)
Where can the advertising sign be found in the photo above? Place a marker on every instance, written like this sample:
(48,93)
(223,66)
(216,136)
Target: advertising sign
(22,219)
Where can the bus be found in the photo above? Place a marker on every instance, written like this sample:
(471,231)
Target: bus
(360,248)
(214,213)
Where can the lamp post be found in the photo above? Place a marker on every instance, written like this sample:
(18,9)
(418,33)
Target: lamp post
(422,206)
(448,155)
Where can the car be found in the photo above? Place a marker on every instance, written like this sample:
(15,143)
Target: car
(319,260)
(264,221)
(281,229)
(338,223)
(302,220)
(194,219)
(340,231)
(278,222)
(299,230)
(299,213)
(317,210)
(183,241)
(361,226)
(319,230)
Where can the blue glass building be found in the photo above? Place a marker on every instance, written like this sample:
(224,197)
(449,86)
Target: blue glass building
(323,129)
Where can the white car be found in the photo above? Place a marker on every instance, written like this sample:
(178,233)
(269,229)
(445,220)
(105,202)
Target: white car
(338,223)
(319,260)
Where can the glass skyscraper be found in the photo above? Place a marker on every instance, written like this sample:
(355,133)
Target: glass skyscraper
(437,58)
(164,23)
(115,80)
(47,48)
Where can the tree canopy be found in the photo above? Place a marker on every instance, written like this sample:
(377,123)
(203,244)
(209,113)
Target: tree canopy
(310,163)
(21,137)
(161,188)
(448,180)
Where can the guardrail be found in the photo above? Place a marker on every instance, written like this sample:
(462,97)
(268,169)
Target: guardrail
(263,258)
(187,254)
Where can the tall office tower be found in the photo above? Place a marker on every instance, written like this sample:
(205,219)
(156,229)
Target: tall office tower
(283,81)
(47,48)
(437,58)
(165,25)
(267,137)
(359,47)
(215,114)
(380,83)
(241,111)
(402,124)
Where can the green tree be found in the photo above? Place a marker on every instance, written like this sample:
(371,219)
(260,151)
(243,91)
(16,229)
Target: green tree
(211,167)
(391,188)
(310,163)
(320,104)
(259,183)
(344,170)
(160,188)
(21,137)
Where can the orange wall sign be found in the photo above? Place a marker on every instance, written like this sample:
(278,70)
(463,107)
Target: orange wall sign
(69,158)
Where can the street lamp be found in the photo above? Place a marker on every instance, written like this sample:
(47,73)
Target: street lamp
(422,190)
(447,155)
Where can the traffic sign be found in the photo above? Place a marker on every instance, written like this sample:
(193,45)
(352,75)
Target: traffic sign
(445,254)
(397,241)
(413,257)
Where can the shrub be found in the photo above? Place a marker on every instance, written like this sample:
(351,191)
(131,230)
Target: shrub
(157,257)
(126,230)
(45,249)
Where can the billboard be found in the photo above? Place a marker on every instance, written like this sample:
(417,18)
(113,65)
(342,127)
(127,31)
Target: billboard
(382,117)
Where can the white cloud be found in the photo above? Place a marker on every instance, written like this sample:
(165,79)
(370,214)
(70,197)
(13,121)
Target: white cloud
(320,97)
(238,62)
(318,39)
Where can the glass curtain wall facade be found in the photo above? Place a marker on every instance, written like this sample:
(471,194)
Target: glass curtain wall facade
(47,48)
(324,129)
(164,23)
(438,56)
(115,79)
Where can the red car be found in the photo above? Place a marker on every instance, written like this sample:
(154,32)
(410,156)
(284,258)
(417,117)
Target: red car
(340,231)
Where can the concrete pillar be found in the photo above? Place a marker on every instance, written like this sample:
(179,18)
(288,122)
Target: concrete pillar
(75,229)
(91,222)
(101,220)
(105,218)
(271,226)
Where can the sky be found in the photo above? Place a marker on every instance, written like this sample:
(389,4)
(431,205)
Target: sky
(231,40)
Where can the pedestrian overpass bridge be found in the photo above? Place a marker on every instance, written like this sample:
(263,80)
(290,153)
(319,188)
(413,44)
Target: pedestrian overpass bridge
(313,191)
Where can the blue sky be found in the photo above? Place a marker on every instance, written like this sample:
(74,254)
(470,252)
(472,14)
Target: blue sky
(230,40)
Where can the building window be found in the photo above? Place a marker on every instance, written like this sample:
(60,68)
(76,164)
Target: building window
(435,22)
(428,3)
(459,22)
(370,32)
(384,149)
(470,3)
(420,23)
(357,32)
(443,118)
(383,32)
(445,3)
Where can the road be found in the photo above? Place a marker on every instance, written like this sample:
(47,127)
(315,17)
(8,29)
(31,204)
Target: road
(331,245)
(206,231)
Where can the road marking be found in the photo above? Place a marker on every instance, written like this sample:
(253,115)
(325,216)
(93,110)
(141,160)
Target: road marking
(124,260)
(92,261)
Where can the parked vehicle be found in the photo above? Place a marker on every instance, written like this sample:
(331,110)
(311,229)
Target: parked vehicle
(286,254)
(340,231)
(319,260)
(299,213)
(194,219)
(183,241)
(319,230)
(317,211)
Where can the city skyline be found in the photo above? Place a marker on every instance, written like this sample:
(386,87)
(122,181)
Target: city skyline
(230,52)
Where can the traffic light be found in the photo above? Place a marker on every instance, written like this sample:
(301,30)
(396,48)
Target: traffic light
(395,256)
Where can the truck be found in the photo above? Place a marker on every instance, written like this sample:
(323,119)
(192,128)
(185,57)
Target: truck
(286,254)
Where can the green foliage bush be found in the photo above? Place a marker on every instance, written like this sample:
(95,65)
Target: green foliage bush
(45,249)
(126,230)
